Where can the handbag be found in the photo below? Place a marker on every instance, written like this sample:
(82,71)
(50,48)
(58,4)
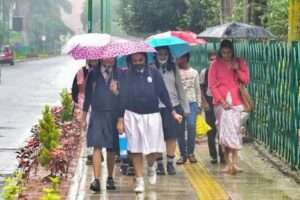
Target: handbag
(201,126)
(246,98)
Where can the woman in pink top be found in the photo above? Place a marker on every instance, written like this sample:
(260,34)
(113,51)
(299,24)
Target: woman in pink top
(225,75)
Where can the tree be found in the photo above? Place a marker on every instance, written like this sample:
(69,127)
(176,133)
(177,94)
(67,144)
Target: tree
(275,18)
(200,14)
(150,16)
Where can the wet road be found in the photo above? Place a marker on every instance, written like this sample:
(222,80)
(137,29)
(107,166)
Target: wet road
(24,91)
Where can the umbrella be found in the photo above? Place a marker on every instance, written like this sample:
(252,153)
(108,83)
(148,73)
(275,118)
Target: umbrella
(85,42)
(178,47)
(188,36)
(236,30)
(115,47)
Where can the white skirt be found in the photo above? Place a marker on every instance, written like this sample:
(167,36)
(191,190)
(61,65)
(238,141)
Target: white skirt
(144,132)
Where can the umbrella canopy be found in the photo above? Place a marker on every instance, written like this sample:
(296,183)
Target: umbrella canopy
(188,36)
(122,47)
(236,30)
(85,42)
(115,47)
(178,47)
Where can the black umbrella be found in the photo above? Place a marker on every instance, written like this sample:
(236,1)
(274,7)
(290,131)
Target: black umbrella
(236,30)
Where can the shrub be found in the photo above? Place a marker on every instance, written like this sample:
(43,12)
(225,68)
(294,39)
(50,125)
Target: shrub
(48,136)
(66,101)
(13,187)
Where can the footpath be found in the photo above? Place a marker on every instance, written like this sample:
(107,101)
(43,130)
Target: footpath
(260,180)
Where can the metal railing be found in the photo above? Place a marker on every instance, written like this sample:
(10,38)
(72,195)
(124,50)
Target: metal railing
(274,71)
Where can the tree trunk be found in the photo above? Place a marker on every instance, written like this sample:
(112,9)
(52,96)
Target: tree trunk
(227,7)
(253,10)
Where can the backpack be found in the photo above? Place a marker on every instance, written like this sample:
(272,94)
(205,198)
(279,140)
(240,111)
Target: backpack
(75,89)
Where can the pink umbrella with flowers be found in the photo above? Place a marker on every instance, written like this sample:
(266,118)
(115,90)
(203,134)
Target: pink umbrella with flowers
(188,36)
(114,48)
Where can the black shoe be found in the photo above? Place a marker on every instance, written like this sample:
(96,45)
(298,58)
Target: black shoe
(89,160)
(110,184)
(192,159)
(170,169)
(213,160)
(123,168)
(181,161)
(95,186)
(160,170)
(130,171)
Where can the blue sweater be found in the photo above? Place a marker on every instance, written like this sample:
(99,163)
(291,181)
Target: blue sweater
(98,94)
(140,91)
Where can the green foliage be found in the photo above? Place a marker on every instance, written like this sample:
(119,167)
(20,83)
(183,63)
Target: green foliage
(276,18)
(48,135)
(150,16)
(51,193)
(200,14)
(13,187)
(66,101)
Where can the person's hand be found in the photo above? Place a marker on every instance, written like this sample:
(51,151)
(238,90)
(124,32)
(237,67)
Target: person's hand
(205,106)
(235,66)
(177,117)
(114,87)
(120,126)
(225,105)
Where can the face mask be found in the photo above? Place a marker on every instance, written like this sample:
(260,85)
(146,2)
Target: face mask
(138,66)
(162,61)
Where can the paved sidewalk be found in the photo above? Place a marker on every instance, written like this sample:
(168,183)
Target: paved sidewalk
(259,181)
(167,187)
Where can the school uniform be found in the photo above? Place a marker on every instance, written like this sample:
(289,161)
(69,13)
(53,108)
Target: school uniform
(140,94)
(102,131)
(171,128)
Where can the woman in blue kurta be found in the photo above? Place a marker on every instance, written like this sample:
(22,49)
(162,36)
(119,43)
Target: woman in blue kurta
(141,88)
(101,93)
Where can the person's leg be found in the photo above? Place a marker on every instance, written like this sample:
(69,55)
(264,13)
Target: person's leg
(227,168)
(160,170)
(191,132)
(211,136)
(171,148)
(95,185)
(137,159)
(182,143)
(110,185)
(235,167)
(150,169)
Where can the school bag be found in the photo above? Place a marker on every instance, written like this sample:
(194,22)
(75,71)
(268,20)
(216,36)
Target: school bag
(75,89)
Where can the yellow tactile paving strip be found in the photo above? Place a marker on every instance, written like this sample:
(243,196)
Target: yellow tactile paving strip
(205,185)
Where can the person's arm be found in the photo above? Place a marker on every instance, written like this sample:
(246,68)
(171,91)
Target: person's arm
(80,80)
(242,71)
(213,82)
(202,81)
(197,89)
(181,93)
(88,92)
(163,95)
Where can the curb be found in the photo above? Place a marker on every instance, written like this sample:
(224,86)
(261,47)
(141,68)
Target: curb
(276,162)
(77,177)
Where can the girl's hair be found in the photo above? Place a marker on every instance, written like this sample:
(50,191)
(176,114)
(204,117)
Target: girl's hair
(129,59)
(226,44)
(212,53)
(170,61)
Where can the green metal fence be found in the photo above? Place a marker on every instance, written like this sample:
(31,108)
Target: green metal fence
(274,70)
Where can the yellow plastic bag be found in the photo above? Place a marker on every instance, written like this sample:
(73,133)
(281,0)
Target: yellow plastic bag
(201,126)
